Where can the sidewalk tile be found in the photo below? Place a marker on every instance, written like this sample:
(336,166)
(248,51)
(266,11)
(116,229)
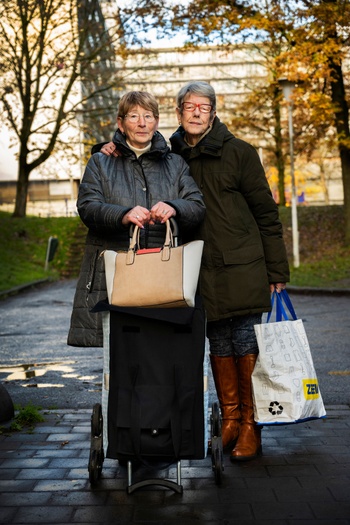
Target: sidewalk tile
(21,499)
(10,485)
(42,473)
(54,485)
(291,510)
(102,514)
(302,479)
(44,514)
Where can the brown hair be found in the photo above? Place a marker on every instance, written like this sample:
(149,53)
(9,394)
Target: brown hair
(137,98)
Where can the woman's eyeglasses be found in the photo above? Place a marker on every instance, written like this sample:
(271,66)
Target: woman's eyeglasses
(135,117)
(203,108)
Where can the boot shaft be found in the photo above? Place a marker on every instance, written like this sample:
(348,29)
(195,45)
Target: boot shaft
(225,376)
(245,366)
(248,445)
(226,383)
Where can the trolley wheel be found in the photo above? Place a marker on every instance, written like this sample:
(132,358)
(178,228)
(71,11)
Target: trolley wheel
(95,465)
(96,420)
(218,466)
(215,421)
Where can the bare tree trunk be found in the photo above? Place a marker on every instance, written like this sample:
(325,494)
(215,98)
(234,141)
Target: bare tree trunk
(281,184)
(343,131)
(22,191)
(345,166)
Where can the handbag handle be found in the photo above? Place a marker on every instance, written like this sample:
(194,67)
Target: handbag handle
(281,311)
(135,243)
(174,229)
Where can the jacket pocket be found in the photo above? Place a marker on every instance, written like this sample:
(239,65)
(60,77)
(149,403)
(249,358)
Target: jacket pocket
(243,255)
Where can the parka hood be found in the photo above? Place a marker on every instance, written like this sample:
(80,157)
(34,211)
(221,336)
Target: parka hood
(211,144)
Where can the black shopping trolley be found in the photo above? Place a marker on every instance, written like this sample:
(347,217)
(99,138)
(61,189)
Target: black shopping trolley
(154,405)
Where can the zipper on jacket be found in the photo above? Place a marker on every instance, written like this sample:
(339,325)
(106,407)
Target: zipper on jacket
(148,201)
(91,279)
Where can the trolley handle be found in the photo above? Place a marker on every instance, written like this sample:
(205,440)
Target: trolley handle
(174,228)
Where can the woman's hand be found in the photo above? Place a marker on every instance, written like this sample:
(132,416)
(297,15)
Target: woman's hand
(278,287)
(138,215)
(110,149)
(161,212)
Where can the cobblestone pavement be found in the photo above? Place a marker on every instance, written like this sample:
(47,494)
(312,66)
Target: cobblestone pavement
(302,478)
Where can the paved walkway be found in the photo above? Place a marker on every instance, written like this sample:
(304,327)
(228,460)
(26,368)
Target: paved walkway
(302,478)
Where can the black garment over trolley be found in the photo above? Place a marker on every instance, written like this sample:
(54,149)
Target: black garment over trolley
(155,403)
(155,408)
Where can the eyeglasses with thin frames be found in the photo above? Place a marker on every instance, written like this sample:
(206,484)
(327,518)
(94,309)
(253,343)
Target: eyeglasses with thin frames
(135,117)
(203,108)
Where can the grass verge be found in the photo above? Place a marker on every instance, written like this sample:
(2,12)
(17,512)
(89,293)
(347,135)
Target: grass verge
(324,260)
(24,245)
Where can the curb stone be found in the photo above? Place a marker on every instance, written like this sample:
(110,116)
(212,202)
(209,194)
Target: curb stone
(306,290)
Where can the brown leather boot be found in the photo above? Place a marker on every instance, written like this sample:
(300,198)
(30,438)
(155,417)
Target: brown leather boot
(248,445)
(226,384)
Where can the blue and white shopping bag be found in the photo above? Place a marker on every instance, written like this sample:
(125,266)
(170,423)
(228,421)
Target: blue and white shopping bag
(285,385)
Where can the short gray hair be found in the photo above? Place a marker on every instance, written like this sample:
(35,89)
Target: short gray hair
(200,88)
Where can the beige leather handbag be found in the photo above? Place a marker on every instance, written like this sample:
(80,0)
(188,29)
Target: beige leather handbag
(165,277)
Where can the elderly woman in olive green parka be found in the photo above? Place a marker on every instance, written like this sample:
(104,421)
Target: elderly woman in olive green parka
(244,255)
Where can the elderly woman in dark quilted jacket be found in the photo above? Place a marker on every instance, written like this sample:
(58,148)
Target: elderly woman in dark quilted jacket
(145,186)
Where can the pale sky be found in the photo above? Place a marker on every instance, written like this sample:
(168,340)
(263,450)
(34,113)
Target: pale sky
(177,41)
(8,163)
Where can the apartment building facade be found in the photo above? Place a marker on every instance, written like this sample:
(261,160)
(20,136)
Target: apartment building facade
(231,71)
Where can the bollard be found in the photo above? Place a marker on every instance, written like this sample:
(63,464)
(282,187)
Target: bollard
(7,410)
(51,250)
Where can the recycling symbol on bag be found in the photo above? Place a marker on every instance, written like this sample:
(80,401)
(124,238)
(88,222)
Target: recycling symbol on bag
(275,411)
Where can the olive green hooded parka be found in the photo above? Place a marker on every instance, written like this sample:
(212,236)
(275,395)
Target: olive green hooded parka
(244,249)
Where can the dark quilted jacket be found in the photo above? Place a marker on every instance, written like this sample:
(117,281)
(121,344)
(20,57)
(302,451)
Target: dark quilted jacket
(244,249)
(110,187)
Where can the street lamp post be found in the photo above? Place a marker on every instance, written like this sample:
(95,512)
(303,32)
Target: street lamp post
(288,88)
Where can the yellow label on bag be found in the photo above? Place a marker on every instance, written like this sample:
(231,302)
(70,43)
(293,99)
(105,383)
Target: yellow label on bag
(311,390)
